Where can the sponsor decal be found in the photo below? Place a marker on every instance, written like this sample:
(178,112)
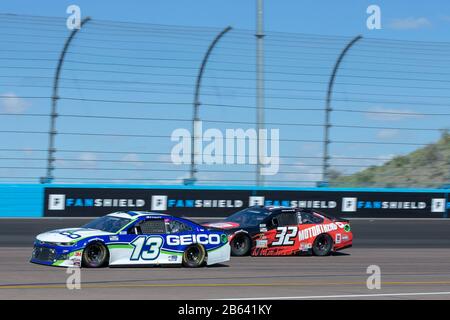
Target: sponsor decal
(347,228)
(261,243)
(75,260)
(345,237)
(224,238)
(187,239)
(172,258)
(114,238)
(305,246)
(316,230)
(71,234)
(338,238)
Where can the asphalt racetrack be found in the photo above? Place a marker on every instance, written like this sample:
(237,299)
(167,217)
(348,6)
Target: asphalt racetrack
(413,255)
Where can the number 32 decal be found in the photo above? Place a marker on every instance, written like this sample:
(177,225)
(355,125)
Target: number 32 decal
(285,235)
(146,248)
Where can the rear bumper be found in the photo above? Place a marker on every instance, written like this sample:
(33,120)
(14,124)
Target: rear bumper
(219,255)
(344,247)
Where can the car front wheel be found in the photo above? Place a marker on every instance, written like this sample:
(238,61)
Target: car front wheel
(240,245)
(95,255)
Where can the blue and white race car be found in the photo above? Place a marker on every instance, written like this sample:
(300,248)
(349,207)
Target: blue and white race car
(132,238)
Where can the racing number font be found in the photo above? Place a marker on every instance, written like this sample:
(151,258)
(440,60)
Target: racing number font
(285,236)
(146,248)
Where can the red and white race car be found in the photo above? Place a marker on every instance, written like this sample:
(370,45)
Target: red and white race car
(280,231)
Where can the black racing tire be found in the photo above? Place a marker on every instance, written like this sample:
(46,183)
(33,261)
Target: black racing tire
(323,244)
(95,255)
(194,256)
(241,245)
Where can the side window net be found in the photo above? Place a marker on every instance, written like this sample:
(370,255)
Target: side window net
(287,219)
(309,218)
(156,226)
(176,226)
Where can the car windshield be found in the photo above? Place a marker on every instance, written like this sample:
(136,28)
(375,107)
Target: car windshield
(107,224)
(249,217)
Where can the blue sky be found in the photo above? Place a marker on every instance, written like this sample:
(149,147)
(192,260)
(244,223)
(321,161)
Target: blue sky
(400,18)
(403,79)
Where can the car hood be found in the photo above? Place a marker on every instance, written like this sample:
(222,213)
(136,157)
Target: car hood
(225,225)
(70,234)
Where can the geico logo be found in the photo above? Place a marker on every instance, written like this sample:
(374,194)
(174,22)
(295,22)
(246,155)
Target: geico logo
(187,239)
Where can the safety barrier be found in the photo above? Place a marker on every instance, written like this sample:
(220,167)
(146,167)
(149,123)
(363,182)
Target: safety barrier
(75,200)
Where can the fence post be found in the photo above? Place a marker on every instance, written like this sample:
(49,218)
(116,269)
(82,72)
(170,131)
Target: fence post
(195,117)
(328,110)
(54,114)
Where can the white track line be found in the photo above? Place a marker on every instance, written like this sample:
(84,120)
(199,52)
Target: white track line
(346,296)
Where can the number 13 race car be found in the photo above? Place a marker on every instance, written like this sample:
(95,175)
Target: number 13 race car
(132,238)
(277,231)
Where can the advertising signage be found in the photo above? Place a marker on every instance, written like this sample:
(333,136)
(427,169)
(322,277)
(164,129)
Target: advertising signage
(90,202)
(360,204)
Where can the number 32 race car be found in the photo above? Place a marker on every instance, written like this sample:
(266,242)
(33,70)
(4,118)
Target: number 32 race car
(132,238)
(279,231)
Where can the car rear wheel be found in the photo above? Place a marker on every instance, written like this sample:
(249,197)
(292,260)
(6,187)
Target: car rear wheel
(240,245)
(194,256)
(95,255)
(322,245)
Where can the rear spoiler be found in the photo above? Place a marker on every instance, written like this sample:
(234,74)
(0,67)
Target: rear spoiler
(211,228)
(332,218)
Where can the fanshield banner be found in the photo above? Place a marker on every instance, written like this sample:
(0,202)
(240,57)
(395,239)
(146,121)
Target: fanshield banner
(89,202)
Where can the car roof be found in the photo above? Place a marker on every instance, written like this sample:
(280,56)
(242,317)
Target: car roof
(273,208)
(276,208)
(134,215)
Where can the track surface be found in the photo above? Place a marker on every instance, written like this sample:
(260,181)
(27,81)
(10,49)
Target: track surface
(414,257)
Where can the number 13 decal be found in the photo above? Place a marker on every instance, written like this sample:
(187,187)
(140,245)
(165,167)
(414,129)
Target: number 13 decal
(146,248)
(285,235)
